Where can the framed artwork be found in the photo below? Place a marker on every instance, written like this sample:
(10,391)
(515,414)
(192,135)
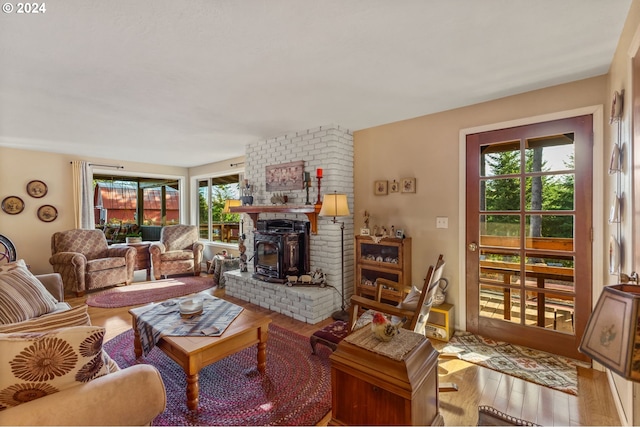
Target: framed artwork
(47,213)
(380,188)
(400,234)
(36,189)
(365,232)
(12,205)
(394,187)
(408,185)
(285,176)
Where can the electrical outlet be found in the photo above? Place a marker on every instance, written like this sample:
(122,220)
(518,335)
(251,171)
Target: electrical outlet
(442,222)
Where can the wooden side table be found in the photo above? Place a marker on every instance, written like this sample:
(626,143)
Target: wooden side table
(370,388)
(143,257)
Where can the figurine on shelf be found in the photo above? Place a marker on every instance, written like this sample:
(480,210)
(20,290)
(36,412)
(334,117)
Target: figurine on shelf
(243,256)
(247,194)
(366,219)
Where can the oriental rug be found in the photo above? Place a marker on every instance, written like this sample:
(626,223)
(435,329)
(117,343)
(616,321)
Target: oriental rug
(146,292)
(535,366)
(294,390)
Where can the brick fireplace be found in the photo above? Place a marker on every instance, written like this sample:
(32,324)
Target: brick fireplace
(326,147)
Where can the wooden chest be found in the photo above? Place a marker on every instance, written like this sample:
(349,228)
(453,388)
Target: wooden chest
(369,388)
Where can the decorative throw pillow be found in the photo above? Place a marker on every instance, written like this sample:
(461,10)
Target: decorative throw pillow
(77,316)
(22,296)
(36,364)
(410,302)
(11,265)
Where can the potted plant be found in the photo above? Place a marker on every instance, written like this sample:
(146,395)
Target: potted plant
(134,237)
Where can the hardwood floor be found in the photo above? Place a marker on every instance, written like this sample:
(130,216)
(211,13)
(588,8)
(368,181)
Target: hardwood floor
(594,404)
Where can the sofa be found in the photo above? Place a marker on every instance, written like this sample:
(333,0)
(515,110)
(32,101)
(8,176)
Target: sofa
(130,396)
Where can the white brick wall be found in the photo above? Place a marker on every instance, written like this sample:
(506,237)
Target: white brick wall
(327,147)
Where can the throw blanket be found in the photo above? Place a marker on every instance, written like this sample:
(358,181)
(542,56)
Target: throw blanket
(157,320)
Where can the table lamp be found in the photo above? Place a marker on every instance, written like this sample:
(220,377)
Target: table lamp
(612,335)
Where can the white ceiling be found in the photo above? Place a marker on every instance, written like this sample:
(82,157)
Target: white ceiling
(186,83)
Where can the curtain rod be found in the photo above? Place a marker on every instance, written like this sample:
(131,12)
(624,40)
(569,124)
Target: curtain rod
(105,166)
(236,164)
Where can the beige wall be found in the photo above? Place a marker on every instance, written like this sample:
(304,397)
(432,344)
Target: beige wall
(427,148)
(31,236)
(620,78)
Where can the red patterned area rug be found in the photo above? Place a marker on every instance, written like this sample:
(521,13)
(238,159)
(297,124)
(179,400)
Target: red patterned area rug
(294,390)
(536,366)
(146,292)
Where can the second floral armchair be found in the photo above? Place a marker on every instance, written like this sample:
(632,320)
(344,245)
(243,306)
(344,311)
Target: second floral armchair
(179,251)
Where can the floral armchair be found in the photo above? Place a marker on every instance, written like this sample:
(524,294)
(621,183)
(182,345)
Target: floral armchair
(178,251)
(85,261)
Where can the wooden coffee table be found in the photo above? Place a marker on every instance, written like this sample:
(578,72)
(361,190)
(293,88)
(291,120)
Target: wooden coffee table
(193,353)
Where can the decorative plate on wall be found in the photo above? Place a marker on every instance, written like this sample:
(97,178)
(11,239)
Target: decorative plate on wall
(614,255)
(12,205)
(36,188)
(47,213)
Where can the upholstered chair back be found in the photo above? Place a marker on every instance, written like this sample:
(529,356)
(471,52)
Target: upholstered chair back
(179,237)
(91,243)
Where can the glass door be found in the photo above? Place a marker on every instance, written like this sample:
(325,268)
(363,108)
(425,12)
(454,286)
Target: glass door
(528,263)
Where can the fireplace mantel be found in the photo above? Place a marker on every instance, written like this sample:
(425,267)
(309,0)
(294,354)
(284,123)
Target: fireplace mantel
(311,211)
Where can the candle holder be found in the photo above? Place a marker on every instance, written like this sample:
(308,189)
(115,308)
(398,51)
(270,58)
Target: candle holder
(319,202)
(307,184)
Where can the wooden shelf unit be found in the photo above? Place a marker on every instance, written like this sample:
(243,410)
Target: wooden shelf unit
(373,261)
(311,211)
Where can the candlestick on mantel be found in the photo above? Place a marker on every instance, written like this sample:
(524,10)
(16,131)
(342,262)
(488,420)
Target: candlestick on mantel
(319,173)
(319,202)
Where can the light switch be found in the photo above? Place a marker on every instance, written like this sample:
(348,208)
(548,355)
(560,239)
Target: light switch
(442,222)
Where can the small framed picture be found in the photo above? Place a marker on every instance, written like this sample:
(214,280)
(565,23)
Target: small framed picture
(400,234)
(394,187)
(380,188)
(365,232)
(408,185)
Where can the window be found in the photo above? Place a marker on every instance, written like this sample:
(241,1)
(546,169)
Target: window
(215,224)
(135,205)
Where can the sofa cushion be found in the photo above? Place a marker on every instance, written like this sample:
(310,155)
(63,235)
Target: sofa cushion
(11,265)
(77,316)
(36,364)
(23,296)
(177,256)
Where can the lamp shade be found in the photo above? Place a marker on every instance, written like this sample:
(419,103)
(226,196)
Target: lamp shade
(334,205)
(612,336)
(230,203)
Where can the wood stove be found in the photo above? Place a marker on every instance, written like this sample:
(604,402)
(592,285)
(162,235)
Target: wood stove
(281,249)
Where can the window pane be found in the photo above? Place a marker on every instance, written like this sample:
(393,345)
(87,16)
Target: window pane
(500,194)
(499,302)
(500,230)
(552,153)
(550,232)
(203,208)
(500,159)
(550,192)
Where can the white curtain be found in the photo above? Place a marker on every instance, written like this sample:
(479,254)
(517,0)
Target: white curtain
(83,195)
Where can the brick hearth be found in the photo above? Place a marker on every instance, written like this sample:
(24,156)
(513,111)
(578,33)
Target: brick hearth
(310,304)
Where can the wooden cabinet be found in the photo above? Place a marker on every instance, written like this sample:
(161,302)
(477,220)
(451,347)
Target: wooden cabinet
(370,388)
(390,258)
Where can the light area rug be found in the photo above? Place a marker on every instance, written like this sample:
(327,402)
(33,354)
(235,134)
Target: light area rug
(294,390)
(146,292)
(542,368)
